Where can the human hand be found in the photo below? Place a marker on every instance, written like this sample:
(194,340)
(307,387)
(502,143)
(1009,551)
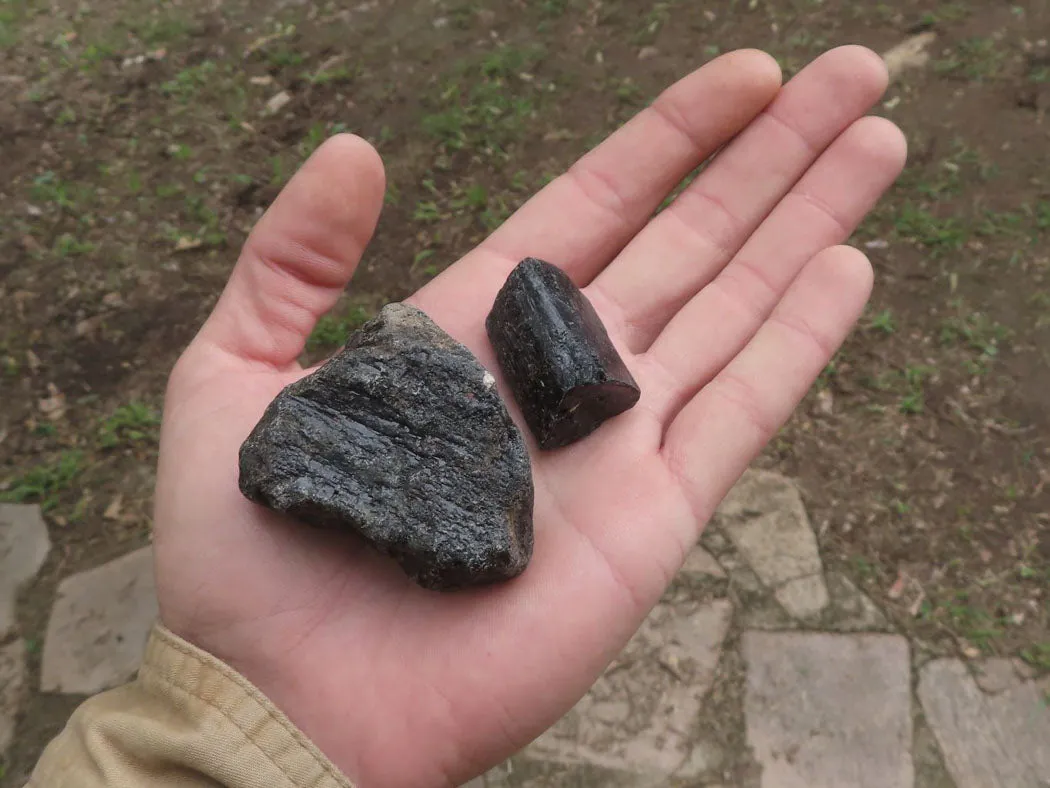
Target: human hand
(726,306)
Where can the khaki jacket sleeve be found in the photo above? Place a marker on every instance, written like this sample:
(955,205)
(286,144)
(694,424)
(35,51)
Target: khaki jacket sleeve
(188,720)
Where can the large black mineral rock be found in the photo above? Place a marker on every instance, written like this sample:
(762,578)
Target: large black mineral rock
(403,439)
(557,356)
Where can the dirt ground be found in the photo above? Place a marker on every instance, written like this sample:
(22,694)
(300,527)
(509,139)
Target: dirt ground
(141,140)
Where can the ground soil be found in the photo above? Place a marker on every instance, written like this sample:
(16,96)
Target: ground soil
(138,151)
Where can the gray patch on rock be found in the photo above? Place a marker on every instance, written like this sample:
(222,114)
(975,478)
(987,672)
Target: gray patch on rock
(401,439)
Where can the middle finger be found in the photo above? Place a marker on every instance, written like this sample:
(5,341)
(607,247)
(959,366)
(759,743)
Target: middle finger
(684,247)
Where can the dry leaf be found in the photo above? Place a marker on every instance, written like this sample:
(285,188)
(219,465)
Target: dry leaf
(54,406)
(910,53)
(278,102)
(897,589)
(89,326)
(185,243)
(917,604)
(114,509)
(825,402)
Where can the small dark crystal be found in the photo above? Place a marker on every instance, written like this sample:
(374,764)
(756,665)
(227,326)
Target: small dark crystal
(403,439)
(557,356)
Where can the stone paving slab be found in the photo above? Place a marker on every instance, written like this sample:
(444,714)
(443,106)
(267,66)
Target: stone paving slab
(24,545)
(851,609)
(989,740)
(766,521)
(639,716)
(829,711)
(99,626)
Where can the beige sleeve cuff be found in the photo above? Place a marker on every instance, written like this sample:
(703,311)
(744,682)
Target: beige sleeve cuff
(188,720)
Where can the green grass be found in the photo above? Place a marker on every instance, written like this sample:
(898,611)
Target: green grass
(163,29)
(67,245)
(484,104)
(554,8)
(1005,223)
(945,12)
(129,425)
(10,16)
(48,188)
(658,15)
(336,75)
(975,59)
(970,622)
(974,330)
(883,322)
(333,330)
(915,377)
(938,234)
(1038,656)
(43,483)
(316,136)
(188,82)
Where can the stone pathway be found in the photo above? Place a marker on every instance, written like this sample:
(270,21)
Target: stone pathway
(758,669)
(812,688)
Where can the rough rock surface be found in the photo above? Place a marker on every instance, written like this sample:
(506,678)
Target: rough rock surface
(12,690)
(403,439)
(556,355)
(24,546)
(639,716)
(829,710)
(997,740)
(99,626)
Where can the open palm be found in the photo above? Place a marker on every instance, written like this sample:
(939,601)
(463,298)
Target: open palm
(725,306)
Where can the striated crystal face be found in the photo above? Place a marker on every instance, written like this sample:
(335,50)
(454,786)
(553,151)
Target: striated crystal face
(556,355)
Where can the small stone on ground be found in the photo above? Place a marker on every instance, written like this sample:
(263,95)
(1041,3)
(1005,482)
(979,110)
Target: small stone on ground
(24,545)
(988,741)
(826,711)
(99,626)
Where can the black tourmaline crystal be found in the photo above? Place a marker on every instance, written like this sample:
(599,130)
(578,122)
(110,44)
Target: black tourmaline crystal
(556,355)
(403,439)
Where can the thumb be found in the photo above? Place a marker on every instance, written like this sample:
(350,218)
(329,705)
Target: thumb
(300,256)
